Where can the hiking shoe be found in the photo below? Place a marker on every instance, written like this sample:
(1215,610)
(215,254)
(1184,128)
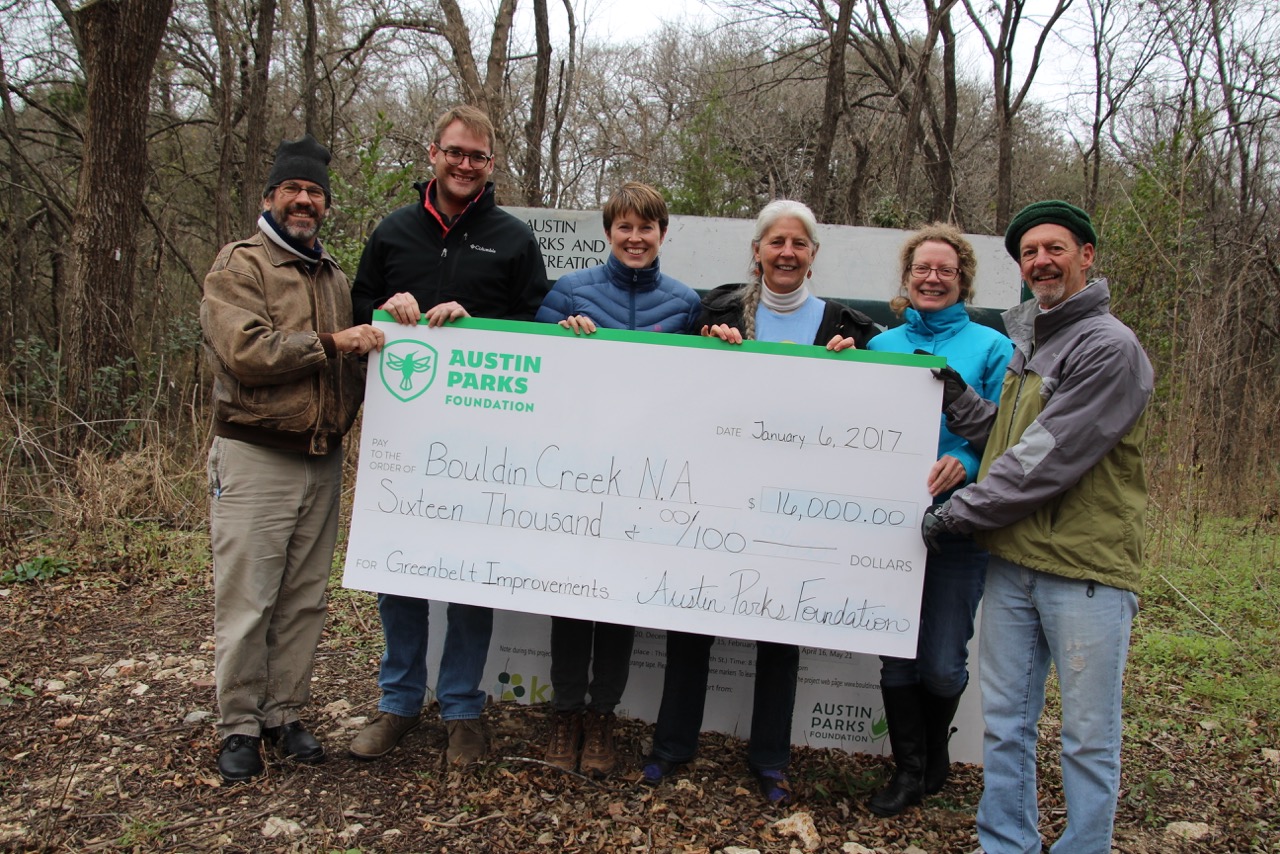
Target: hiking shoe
(599,756)
(240,758)
(566,736)
(656,770)
(774,787)
(294,742)
(467,742)
(381,735)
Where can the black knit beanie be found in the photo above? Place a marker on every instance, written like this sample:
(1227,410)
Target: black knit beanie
(303,159)
(1054,211)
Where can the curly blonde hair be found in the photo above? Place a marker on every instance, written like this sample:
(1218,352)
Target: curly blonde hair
(940,232)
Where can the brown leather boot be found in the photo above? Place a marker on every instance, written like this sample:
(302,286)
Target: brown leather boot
(467,741)
(381,735)
(565,739)
(599,756)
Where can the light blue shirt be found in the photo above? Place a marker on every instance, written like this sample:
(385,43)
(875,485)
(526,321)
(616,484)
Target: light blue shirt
(797,327)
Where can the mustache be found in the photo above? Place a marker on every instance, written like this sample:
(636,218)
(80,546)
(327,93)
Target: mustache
(301,207)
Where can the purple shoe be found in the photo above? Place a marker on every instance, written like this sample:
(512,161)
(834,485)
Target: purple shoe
(656,770)
(774,787)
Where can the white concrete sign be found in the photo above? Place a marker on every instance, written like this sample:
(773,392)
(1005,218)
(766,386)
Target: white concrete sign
(853,262)
(838,701)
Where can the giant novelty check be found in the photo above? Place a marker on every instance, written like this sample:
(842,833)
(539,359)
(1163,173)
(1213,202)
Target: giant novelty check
(763,491)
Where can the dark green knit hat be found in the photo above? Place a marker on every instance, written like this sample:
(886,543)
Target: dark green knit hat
(1054,211)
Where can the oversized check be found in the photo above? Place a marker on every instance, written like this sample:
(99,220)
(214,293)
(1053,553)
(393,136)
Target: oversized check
(763,491)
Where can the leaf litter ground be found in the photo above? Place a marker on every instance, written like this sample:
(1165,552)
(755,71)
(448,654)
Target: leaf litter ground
(106,703)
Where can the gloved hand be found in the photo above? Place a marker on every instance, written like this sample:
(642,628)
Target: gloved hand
(934,524)
(953,385)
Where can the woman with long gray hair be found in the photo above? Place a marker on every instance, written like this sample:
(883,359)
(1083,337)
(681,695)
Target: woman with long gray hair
(775,305)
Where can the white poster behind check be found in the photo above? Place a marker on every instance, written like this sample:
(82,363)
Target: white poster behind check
(838,701)
(653,480)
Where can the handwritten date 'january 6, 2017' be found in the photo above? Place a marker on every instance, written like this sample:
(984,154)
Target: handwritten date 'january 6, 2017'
(857,438)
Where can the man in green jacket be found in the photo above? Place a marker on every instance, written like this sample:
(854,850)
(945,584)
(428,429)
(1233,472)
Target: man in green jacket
(288,379)
(1060,502)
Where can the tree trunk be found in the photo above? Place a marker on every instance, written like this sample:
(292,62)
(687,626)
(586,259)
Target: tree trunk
(942,171)
(120,42)
(256,145)
(832,109)
(912,129)
(858,180)
(536,126)
(1008,95)
(220,99)
(18,311)
(565,91)
(486,94)
(1004,166)
(310,121)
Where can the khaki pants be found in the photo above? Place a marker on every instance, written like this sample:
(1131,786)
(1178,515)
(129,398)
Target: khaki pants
(273,524)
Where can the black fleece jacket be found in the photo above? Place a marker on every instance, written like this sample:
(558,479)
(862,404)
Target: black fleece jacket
(487,260)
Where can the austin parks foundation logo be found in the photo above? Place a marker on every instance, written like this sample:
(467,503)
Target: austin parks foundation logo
(514,687)
(408,368)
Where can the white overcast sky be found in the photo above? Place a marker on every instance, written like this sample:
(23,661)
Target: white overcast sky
(624,21)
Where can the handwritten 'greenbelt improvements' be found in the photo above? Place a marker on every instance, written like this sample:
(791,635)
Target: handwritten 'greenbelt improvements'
(501,373)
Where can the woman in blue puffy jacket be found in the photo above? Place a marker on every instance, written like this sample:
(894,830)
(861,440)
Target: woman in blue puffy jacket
(628,291)
(921,694)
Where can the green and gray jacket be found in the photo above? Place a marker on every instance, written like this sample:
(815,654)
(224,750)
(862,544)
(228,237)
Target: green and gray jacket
(1062,486)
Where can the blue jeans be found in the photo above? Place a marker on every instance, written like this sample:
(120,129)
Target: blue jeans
(403,675)
(953,582)
(1031,618)
(684,696)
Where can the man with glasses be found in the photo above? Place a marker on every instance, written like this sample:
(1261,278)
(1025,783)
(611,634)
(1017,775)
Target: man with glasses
(451,254)
(1060,503)
(288,378)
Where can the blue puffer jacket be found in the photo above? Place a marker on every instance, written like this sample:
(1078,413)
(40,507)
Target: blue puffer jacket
(618,297)
(978,353)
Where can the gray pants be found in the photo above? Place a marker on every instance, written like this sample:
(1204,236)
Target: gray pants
(273,524)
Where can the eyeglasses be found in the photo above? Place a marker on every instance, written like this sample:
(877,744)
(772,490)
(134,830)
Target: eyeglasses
(922,271)
(290,190)
(455,156)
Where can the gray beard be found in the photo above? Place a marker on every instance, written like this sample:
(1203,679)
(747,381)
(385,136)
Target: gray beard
(303,233)
(1048,297)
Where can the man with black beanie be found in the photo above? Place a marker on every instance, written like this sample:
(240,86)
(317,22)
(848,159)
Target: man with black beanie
(288,379)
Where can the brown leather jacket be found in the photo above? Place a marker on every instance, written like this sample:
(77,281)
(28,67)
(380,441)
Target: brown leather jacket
(268,319)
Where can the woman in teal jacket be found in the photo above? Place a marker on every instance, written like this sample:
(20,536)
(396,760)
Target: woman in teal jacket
(921,694)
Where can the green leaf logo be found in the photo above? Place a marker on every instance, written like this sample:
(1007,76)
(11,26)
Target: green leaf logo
(880,727)
(407,368)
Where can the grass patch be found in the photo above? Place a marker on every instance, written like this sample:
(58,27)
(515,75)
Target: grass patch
(1205,643)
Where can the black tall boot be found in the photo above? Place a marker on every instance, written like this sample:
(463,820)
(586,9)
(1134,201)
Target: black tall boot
(938,712)
(904,712)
